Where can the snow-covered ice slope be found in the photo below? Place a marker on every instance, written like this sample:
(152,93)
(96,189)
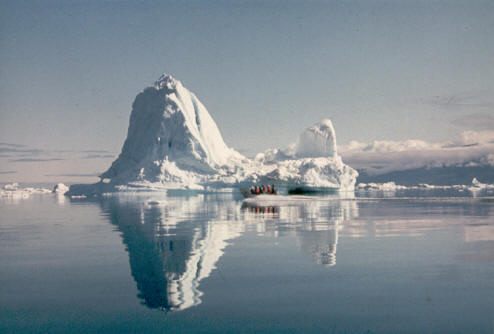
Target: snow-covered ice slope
(313,161)
(171,139)
(173,142)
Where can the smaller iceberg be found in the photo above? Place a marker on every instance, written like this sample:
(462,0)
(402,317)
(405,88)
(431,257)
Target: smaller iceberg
(60,188)
(317,141)
(312,163)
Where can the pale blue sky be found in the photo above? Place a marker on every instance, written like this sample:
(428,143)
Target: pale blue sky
(381,70)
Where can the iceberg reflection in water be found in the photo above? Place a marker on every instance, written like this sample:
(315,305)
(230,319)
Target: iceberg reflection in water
(313,265)
(315,223)
(175,242)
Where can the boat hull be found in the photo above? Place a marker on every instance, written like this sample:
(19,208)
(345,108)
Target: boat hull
(247,194)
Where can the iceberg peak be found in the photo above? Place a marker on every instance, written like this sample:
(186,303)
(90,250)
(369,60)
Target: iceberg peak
(167,81)
(318,140)
(170,131)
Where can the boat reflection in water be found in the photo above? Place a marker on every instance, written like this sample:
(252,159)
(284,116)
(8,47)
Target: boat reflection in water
(175,242)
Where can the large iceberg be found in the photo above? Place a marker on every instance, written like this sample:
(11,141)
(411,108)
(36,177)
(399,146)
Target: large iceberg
(173,143)
(172,140)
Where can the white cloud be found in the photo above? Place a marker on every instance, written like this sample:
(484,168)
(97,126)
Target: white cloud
(471,148)
(386,146)
(471,137)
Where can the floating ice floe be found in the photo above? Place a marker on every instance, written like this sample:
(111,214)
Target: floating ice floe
(13,190)
(78,196)
(60,188)
(388,186)
(392,186)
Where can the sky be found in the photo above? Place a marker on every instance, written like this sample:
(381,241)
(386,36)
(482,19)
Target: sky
(387,71)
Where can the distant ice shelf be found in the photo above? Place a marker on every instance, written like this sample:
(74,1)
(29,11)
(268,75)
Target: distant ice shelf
(392,186)
(15,191)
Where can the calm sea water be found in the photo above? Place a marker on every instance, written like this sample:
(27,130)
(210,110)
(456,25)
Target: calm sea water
(215,264)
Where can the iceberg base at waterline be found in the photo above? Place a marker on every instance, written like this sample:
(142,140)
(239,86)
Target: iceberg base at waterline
(173,143)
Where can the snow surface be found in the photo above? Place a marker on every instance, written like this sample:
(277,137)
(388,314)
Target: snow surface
(173,143)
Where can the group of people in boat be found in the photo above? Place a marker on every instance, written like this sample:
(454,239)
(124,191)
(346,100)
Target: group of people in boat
(257,190)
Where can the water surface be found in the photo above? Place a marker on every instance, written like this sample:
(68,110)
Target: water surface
(213,263)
